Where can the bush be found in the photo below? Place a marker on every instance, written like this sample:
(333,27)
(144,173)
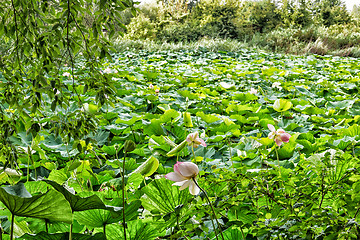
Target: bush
(141,27)
(217,18)
(173,21)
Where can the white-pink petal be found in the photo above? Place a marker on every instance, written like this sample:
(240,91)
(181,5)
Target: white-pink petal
(271,135)
(174,176)
(202,142)
(193,189)
(271,127)
(185,184)
(176,167)
(285,137)
(278,141)
(188,169)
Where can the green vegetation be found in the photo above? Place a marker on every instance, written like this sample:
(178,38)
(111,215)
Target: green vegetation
(297,27)
(203,139)
(230,99)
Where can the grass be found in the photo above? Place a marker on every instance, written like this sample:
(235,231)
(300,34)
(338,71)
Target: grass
(341,40)
(210,44)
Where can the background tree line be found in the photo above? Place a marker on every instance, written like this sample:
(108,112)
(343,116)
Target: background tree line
(290,26)
(178,20)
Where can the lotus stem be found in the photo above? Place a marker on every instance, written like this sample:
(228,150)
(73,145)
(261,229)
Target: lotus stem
(278,161)
(123,195)
(213,210)
(122,172)
(182,233)
(12,227)
(193,152)
(70,233)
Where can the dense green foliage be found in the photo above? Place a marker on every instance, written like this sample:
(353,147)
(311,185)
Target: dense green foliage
(178,21)
(320,27)
(87,135)
(313,196)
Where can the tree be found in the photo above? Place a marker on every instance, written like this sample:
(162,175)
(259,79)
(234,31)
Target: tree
(43,37)
(261,16)
(330,12)
(356,11)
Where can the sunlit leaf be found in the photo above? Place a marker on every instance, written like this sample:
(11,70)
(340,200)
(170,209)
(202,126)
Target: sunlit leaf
(51,205)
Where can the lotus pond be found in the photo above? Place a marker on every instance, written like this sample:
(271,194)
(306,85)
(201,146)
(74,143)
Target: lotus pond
(108,176)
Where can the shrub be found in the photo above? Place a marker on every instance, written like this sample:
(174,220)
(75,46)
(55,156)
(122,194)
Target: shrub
(141,27)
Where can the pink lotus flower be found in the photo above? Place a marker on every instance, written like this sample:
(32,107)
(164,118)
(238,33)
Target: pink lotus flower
(157,90)
(184,176)
(279,136)
(194,140)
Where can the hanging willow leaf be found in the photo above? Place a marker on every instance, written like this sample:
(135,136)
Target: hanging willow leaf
(51,205)
(78,203)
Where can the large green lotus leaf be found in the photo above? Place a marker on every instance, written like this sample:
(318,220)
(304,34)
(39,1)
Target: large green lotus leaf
(208,118)
(148,167)
(154,128)
(20,228)
(170,115)
(59,176)
(287,149)
(236,213)
(188,94)
(127,119)
(115,129)
(90,108)
(309,109)
(53,144)
(355,109)
(343,142)
(341,104)
(51,205)
(136,230)
(100,217)
(231,234)
(307,136)
(282,105)
(177,149)
(109,150)
(308,146)
(264,123)
(38,225)
(61,236)
(101,137)
(161,197)
(244,97)
(78,203)
(22,139)
(353,131)
(239,108)
(36,187)
(223,128)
